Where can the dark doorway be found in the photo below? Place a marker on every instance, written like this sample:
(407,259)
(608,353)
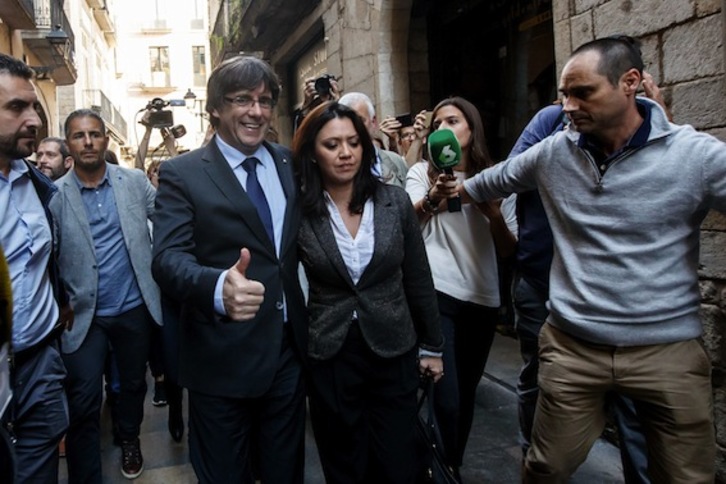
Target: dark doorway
(498,54)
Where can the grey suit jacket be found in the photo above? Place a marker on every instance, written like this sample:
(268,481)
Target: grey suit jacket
(393,168)
(134,196)
(394,299)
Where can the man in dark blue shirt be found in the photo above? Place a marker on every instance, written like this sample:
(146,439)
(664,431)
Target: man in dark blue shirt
(105,258)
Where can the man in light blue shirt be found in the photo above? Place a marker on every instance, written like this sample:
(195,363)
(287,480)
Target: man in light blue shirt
(37,416)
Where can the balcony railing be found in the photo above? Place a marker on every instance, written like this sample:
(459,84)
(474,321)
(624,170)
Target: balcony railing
(52,41)
(49,13)
(98,101)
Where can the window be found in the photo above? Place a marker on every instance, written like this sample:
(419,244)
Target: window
(159,62)
(199,65)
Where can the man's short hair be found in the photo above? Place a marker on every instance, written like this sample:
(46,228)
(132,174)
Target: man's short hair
(15,67)
(352,99)
(62,146)
(618,54)
(83,113)
(242,72)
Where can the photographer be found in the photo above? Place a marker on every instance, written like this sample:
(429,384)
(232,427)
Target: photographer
(316,91)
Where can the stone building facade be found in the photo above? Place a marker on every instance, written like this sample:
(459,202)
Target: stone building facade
(505,56)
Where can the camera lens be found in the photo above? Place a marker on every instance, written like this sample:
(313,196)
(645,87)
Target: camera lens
(322,85)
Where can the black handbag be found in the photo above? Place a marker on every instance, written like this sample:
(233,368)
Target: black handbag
(434,468)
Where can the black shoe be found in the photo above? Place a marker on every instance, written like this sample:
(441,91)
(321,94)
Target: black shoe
(159,399)
(132,463)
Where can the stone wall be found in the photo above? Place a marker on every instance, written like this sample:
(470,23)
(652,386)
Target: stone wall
(683,48)
(372,40)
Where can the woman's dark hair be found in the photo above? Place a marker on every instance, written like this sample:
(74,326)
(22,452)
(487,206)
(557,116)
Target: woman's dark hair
(478,154)
(307,170)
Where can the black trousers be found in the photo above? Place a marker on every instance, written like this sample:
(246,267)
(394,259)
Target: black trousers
(363,411)
(129,335)
(468,330)
(223,429)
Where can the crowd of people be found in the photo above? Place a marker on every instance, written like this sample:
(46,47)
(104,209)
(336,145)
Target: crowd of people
(342,274)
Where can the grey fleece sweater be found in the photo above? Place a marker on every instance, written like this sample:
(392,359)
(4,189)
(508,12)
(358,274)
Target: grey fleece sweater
(626,243)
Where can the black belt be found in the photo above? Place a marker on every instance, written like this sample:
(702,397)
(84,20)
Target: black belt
(26,354)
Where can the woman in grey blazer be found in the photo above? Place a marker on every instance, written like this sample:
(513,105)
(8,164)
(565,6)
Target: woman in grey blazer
(372,311)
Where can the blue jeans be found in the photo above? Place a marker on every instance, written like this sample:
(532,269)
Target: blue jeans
(129,335)
(468,330)
(531,313)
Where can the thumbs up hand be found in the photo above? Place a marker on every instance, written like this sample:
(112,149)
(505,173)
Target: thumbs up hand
(242,297)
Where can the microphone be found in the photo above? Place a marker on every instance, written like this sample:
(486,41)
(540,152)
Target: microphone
(445,154)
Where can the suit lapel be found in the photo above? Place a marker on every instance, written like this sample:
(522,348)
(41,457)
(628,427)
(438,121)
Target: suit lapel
(73,194)
(324,233)
(384,218)
(291,223)
(224,178)
(121,196)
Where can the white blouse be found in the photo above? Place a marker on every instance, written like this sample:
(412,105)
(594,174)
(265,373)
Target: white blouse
(356,252)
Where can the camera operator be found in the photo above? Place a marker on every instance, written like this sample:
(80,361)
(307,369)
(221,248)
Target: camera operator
(156,116)
(316,91)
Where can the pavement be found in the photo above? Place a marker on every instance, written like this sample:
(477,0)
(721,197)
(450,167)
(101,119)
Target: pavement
(493,455)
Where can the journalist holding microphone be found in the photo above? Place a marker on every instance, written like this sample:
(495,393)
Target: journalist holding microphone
(462,243)
(373,324)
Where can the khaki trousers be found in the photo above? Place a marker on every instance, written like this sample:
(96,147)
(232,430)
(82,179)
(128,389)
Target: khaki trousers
(671,384)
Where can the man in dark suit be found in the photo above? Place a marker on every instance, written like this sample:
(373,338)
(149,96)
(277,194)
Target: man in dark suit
(225,246)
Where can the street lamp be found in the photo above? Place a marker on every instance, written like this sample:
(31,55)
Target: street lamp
(190,100)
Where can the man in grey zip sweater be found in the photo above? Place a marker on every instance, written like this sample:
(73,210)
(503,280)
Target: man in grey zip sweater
(625,192)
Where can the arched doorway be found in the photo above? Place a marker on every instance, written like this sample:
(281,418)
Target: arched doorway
(498,54)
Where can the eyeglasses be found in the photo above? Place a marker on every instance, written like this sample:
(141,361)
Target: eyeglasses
(249,101)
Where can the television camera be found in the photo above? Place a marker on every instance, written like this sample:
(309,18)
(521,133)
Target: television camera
(156,116)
